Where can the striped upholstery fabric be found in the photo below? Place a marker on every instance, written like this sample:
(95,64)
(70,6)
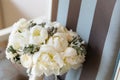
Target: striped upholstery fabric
(98,23)
(116,66)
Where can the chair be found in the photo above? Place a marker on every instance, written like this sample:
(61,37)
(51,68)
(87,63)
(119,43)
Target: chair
(97,22)
(117,68)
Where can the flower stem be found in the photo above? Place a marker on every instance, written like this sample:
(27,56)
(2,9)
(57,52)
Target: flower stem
(56,77)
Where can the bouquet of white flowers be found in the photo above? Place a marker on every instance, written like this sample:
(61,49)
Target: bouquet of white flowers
(45,47)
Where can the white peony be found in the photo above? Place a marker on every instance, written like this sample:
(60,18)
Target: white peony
(38,35)
(69,52)
(18,38)
(19,35)
(71,58)
(58,41)
(58,60)
(48,57)
(26,60)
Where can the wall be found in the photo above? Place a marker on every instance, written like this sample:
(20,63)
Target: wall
(1,17)
(15,9)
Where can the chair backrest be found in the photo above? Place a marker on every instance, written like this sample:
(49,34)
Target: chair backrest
(98,23)
(116,73)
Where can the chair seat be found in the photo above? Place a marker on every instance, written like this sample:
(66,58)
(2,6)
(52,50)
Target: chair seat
(10,71)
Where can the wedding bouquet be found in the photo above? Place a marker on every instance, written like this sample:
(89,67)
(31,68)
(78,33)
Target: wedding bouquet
(45,48)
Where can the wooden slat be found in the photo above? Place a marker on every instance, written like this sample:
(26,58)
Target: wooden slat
(54,10)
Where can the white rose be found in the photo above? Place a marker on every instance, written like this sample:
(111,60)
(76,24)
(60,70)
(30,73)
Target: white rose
(38,35)
(58,41)
(26,60)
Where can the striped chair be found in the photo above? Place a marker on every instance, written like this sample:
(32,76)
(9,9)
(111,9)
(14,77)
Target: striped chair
(117,68)
(98,23)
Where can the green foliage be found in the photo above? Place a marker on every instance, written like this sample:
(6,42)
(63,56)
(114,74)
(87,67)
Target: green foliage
(17,58)
(31,24)
(11,49)
(42,24)
(31,49)
(78,44)
(51,31)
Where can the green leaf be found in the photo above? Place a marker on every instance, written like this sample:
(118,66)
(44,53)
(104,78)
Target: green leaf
(19,31)
(31,24)
(51,31)
(31,49)
(17,58)
(42,24)
(11,49)
(78,45)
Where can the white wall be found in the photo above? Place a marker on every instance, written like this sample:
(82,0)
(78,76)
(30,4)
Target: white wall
(16,9)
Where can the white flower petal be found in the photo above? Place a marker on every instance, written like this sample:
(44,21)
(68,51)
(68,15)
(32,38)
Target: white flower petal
(38,35)
(70,52)
(59,60)
(44,34)
(47,49)
(58,41)
(45,58)
(36,70)
(26,60)
(35,57)
(76,66)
